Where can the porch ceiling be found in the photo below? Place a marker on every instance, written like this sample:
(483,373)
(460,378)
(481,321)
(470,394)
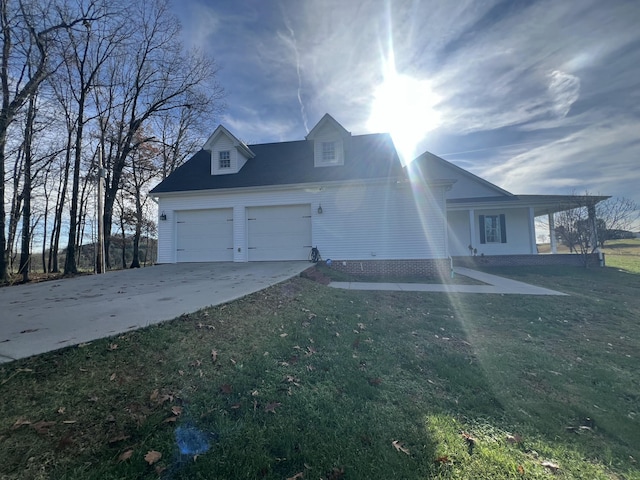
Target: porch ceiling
(541,204)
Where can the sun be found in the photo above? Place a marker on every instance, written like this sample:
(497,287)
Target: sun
(405,107)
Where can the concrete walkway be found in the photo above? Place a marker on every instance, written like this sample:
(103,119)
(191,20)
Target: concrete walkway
(41,317)
(495,284)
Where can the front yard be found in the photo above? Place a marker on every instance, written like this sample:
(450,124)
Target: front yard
(301,381)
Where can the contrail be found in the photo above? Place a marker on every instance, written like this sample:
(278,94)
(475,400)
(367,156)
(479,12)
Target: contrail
(294,44)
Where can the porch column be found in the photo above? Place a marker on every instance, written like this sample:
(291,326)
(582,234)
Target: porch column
(532,231)
(593,225)
(472,229)
(552,234)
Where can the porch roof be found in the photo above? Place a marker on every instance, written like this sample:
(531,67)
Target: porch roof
(541,204)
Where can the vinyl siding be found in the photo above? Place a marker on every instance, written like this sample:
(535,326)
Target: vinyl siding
(359,221)
(518,232)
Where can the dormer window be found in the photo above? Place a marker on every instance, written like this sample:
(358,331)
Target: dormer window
(328,152)
(224,159)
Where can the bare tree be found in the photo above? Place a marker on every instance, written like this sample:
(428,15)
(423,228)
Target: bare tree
(159,77)
(615,215)
(30,32)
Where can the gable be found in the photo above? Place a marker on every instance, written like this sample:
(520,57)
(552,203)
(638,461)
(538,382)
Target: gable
(467,185)
(330,142)
(228,154)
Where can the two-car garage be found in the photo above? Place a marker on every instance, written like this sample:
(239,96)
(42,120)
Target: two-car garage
(266,233)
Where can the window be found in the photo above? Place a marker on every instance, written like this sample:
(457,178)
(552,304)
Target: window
(493,229)
(328,152)
(224,159)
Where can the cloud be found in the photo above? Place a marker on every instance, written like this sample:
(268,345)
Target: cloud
(565,90)
(601,158)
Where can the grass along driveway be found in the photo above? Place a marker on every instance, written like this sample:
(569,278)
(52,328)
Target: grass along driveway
(303,381)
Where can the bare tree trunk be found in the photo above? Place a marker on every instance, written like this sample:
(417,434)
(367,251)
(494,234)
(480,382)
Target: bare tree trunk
(25,251)
(57,223)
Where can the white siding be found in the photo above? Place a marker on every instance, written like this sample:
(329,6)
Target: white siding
(224,143)
(359,222)
(328,134)
(518,232)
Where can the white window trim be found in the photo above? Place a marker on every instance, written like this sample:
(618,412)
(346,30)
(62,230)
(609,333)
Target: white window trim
(224,159)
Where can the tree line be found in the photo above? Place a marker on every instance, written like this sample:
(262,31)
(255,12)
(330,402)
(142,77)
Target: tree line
(84,81)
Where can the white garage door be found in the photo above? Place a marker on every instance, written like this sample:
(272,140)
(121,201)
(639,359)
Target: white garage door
(279,233)
(205,235)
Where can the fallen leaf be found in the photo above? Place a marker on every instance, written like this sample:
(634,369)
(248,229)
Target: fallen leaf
(226,388)
(113,346)
(154,395)
(336,474)
(554,467)
(398,446)
(152,457)
(214,356)
(42,427)
(119,438)
(271,407)
(69,422)
(282,335)
(513,439)
(176,410)
(181,372)
(297,476)
(126,455)
(170,419)
(112,377)
(61,410)
(443,459)
(160,469)
(65,442)
(20,422)
(82,345)
(520,469)
(235,406)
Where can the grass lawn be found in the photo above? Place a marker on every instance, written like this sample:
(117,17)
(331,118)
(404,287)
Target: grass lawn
(301,381)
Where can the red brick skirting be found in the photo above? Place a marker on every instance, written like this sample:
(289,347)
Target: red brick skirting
(394,268)
(527,260)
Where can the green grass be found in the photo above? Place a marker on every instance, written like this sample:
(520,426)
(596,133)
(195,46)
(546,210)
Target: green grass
(313,380)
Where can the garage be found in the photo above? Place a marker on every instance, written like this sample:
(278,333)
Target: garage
(204,235)
(279,232)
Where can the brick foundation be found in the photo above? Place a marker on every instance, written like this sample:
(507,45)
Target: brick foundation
(394,268)
(527,260)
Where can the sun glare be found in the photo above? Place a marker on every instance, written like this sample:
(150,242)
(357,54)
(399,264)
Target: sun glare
(404,107)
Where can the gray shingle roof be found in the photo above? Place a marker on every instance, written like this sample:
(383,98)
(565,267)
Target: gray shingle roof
(370,156)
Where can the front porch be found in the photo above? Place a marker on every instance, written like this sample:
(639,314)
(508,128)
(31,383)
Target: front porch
(505,226)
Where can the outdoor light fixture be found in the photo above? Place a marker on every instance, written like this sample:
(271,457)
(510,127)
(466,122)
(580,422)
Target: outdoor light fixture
(320,209)
(163,216)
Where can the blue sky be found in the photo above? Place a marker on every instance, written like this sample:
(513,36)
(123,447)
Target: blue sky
(535,96)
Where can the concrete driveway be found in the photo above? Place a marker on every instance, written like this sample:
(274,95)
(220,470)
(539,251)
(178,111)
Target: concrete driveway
(46,316)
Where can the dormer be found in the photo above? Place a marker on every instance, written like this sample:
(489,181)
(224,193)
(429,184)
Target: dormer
(330,142)
(228,154)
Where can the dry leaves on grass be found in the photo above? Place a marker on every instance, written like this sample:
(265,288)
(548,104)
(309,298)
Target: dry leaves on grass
(297,476)
(214,356)
(271,407)
(399,447)
(176,410)
(554,467)
(152,456)
(126,455)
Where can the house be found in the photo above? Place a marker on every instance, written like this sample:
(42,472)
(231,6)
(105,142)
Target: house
(348,195)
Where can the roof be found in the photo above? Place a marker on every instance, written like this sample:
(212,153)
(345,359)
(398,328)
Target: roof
(368,157)
(541,204)
(429,165)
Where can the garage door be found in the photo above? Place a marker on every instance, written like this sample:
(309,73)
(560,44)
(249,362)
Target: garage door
(279,233)
(205,235)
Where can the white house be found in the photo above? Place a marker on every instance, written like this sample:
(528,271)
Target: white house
(348,195)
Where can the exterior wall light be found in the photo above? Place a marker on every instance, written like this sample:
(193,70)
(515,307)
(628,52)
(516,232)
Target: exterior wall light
(320,209)
(163,216)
